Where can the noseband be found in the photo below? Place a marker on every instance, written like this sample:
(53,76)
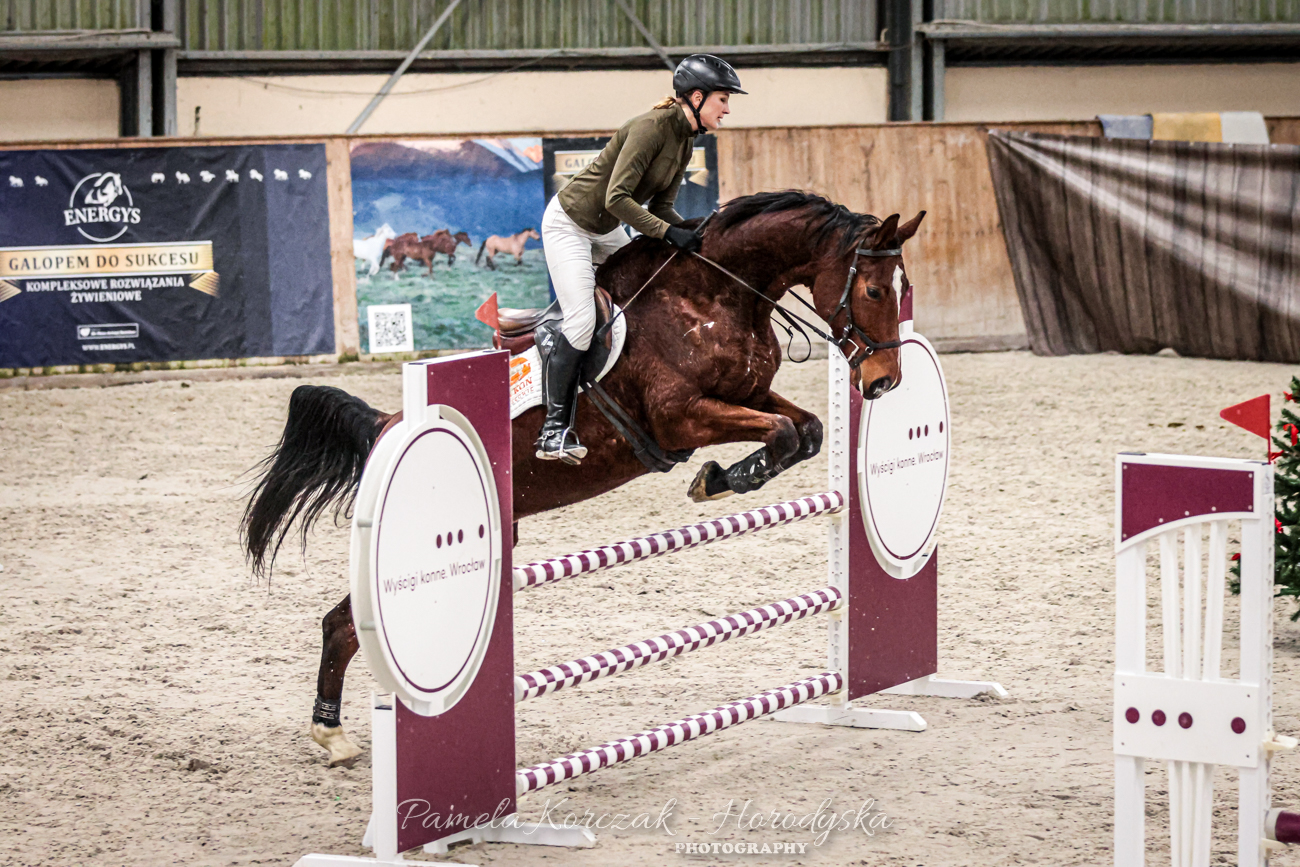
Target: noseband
(863,347)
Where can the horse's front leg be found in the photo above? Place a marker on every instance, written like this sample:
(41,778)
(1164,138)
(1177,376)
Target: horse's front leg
(808,426)
(337,649)
(711,422)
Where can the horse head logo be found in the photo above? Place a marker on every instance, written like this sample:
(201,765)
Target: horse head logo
(105,190)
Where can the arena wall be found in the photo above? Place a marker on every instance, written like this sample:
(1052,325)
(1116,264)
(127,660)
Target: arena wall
(999,93)
(958,261)
(87,108)
(451,103)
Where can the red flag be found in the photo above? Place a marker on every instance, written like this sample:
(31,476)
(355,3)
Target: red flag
(487,314)
(1253,415)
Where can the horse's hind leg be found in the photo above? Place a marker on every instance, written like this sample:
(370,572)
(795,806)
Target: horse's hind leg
(337,650)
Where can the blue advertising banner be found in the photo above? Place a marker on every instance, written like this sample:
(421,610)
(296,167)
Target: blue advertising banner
(164,254)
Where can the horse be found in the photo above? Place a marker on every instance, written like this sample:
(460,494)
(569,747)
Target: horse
(443,241)
(514,245)
(372,249)
(412,246)
(698,362)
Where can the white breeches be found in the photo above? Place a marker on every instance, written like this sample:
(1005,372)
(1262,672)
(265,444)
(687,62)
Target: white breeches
(572,254)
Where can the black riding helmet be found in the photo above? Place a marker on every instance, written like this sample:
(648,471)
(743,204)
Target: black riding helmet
(706,73)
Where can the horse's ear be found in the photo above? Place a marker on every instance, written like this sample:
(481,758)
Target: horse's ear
(908,229)
(885,234)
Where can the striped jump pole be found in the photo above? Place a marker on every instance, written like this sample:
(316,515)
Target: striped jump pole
(680,539)
(630,656)
(671,734)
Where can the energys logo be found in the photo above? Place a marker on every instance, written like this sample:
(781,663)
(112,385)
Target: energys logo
(101,207)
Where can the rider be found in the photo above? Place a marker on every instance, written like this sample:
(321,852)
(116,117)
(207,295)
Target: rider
(645,161)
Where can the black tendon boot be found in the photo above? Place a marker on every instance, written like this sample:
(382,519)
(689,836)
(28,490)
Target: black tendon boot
(558,440)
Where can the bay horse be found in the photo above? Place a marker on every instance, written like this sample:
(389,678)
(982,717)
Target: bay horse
(443,241)
(696,371)
(514,245)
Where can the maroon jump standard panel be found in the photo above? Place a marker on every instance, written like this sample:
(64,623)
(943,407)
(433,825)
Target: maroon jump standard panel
(1152,495)
(893,623)
(463,761)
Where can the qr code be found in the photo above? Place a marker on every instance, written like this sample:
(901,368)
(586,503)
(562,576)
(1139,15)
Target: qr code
(390,328)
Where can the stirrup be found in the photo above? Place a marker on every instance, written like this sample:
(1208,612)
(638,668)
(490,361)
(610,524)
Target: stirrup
(570,454)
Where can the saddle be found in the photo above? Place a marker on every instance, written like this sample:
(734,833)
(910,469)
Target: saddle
(518,330)
(529,336)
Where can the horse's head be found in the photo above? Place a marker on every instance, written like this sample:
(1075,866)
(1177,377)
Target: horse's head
(871,285)
(105,190)
(386,231)
(463,238)
(531,233)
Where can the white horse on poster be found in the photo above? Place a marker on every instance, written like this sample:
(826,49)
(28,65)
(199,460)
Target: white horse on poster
(372,248)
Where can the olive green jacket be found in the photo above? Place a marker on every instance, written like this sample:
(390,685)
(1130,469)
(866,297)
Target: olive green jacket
(645,161)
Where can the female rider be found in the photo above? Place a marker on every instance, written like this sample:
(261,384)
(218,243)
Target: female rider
(645,162)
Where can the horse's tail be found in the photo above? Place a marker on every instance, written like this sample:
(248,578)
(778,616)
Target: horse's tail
(480,251)
(317,464)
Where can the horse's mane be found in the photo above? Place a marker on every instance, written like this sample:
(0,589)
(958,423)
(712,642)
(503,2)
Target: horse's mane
(827,219)
(629,267)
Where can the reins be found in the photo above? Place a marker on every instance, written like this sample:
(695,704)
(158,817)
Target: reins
(794,322)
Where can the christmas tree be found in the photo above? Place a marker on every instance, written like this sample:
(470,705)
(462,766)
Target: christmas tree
(1286,489)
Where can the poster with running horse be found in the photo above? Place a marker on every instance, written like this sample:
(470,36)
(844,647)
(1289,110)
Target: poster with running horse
(438,226)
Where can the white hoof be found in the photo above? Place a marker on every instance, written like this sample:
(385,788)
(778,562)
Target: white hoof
(336,741)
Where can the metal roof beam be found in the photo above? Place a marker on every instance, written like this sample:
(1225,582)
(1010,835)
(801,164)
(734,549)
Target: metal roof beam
(646,35)
(401,70)
(86,40)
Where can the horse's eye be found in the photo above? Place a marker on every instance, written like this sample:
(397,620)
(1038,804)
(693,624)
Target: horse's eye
(873,293)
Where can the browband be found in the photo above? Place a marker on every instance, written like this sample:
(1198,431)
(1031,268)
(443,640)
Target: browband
(880,254)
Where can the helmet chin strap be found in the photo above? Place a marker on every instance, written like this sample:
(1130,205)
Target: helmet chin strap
(699,122)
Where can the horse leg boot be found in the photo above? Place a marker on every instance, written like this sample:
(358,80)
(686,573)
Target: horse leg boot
(340,645)
(753,472)
(558,439)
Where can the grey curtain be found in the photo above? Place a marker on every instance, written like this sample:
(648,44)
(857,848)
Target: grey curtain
(1136,246)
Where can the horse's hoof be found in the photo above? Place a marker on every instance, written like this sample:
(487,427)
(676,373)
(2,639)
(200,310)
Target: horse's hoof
(710,484)
(342,751)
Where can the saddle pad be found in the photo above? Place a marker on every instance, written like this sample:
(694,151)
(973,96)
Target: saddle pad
(526,370)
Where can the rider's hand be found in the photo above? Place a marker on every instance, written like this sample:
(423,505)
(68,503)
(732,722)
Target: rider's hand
(684,239)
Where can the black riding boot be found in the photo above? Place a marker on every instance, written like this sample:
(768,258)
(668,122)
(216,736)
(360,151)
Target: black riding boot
(558,440)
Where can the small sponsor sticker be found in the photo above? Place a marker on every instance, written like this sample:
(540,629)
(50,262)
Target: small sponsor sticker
(106,331)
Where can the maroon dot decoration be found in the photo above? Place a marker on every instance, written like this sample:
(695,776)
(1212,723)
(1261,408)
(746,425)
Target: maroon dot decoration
(450,537)
(1185,720)
(940,427)
(460,535)
(1238,725)
(909,433)
(1132,715)
(1158,717)
(439,540)
(480,531)
(927,430)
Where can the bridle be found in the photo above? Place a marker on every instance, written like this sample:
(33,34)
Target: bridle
(867,346)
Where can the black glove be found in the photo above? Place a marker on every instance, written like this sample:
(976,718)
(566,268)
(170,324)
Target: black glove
(684,239)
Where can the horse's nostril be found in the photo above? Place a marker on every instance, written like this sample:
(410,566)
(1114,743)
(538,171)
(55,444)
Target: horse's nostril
(879,387)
